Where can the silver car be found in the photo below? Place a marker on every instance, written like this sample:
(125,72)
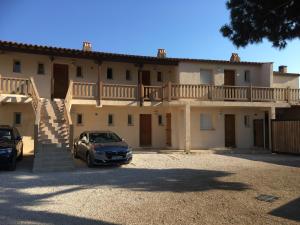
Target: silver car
(102,147)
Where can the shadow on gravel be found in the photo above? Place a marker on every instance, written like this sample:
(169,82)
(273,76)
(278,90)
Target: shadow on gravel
(15,200)
(278,159)
(289,211)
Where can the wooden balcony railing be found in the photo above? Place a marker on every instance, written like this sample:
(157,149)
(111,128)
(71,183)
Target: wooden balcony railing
(169,92)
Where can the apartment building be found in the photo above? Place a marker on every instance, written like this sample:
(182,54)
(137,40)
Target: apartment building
(53,94)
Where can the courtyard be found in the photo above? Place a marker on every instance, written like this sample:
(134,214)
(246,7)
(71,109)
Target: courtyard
(156,188)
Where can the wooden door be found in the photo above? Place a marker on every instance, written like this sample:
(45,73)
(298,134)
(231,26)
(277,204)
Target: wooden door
(61,80)
(258,129)
(145,78)
(229,77)
(168,130)
(230,130)
(145,130)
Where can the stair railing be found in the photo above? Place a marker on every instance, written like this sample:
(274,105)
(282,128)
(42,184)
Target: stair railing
(67,114)
(36,104)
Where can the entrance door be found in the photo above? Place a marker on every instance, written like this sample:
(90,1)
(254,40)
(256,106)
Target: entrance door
(145,130)
(61,80)
(230,130)
(145,78)
(168,130)
(229,77)
(258,129)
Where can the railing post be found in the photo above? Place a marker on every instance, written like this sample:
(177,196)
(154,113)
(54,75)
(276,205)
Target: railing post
(100,88)
(250,93)
(288,93)
(169,91)
(0,84)
(141,94)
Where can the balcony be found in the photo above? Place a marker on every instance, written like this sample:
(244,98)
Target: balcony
(176,92)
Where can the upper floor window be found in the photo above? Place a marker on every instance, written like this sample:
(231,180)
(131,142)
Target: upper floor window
(17,66)
(128,75)
(206,76)
(247,76)
(109,73)
(79,71)
(206,121)
(41,68)
(159,77)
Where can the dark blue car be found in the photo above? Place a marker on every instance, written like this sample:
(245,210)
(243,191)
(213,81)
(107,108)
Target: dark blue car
(102,147)
(11,147)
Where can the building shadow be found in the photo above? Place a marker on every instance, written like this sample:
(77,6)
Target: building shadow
(18,204)
(289,211)
(272,158)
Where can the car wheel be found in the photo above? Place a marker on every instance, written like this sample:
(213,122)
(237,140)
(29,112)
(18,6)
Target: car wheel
(12,166)
(89,161)
(21,154)
(75,154)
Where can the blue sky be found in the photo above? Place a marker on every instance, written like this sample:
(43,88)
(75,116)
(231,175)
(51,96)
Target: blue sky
(187,28)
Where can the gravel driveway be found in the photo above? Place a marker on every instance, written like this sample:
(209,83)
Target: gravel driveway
(158,189)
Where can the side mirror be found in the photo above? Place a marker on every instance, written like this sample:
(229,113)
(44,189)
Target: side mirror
(18,138)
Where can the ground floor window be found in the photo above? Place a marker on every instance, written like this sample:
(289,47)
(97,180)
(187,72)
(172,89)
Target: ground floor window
(130,120)
(110,120)
(206,121)
(247,121)
(79,119)
(160,120)
(17,118)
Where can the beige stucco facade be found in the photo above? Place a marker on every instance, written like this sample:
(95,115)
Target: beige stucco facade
(185,122)
(7,111)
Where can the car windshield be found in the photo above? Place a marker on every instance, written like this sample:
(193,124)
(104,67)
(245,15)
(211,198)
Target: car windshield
(104,137)
(5,134)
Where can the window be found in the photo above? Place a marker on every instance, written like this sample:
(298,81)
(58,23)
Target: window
(206,121)
(160,120)
(79,71)
(110,120)
(41,69)
(79,119)
(17,66)
(109,74)
(159,77)
(130,120)
(206,76)
(18,118)
(247,121)
(128,75)
(247,76)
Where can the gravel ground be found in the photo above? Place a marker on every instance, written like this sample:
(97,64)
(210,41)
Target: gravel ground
(157,189)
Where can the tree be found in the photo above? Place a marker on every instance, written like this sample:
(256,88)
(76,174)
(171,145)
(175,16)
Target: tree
(253,20)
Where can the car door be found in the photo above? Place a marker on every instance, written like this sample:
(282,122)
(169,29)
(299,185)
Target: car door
(84,145)
(79,145)
(18,141)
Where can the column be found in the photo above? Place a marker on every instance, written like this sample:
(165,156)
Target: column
(272,116)
(187,128)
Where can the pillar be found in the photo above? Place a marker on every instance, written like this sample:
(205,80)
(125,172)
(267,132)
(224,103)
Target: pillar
(187,128)
(272,116)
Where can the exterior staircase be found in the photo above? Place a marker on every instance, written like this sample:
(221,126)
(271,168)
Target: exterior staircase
(53,150)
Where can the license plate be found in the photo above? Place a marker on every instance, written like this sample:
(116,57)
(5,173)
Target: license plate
(117,157)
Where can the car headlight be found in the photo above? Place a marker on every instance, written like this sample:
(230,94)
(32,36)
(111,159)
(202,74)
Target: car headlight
(129,150)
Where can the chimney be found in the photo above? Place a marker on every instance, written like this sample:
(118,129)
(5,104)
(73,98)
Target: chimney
(161,53)
(86,46)
(282,69)
(235,57)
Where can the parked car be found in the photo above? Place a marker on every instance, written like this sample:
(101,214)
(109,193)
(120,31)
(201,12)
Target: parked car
(11,146)
(102,147)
